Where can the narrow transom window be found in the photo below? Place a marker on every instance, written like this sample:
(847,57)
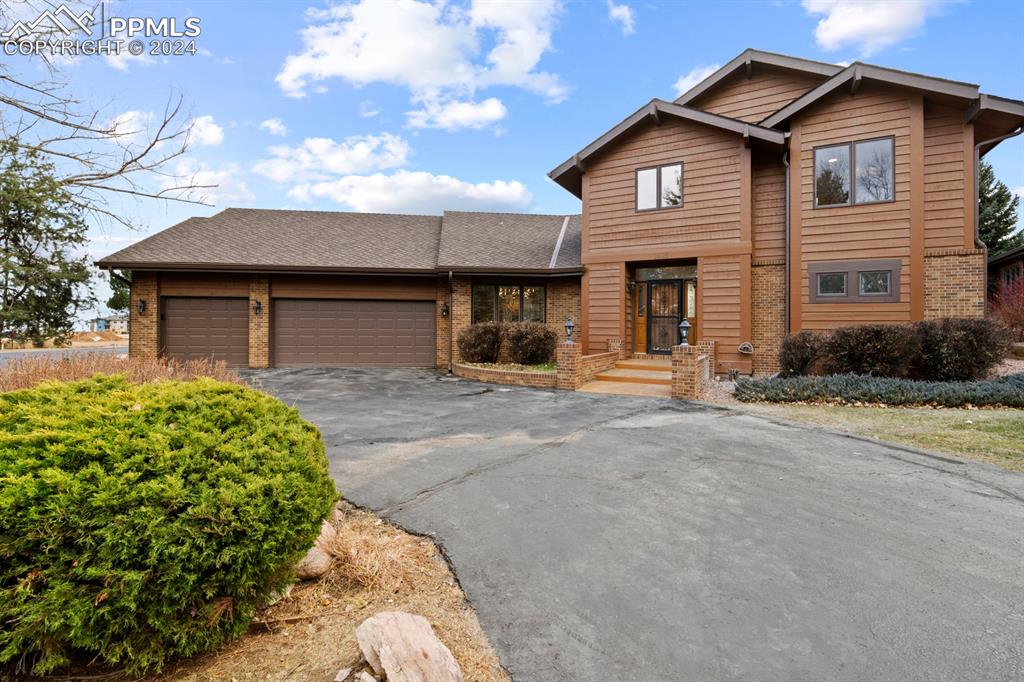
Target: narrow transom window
(854,173)
(831,284)
(660,187)
(875,283)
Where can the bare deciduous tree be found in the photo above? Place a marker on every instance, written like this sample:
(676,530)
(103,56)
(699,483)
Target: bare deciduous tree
(96,154)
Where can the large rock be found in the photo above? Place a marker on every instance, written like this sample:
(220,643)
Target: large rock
(318,559)
(404,648)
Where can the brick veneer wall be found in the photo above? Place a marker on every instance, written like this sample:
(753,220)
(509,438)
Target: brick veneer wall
(690,372)
(462,310)
(444,325)
(954,283)
(259,324)
(573,368)
(505,376)
(144,328)
(768,311)
(563,302)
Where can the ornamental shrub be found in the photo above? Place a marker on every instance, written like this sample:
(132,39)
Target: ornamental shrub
(951,349)
(1008,306)
(531,343)
(144,522)
(1005,391)
(481,342)
(882,350)
(800,352)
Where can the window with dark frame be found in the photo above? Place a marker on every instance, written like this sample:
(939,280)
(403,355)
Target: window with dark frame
(862,281)
(659,187)
(851,173)
(508,303)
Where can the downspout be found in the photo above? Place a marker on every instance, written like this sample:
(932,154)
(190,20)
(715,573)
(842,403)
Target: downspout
(451,325)
(977,192)
(786,285)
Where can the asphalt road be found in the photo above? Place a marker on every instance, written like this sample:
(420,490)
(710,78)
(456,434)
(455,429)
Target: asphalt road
(8,355)
(611,538)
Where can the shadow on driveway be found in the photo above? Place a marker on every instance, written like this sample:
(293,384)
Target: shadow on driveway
(614,538)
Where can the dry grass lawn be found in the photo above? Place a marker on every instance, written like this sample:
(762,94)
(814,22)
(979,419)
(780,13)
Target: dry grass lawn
(992,436)
(310,635)
(31,370)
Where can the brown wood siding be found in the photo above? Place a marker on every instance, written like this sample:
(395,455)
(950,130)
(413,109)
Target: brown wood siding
(354,287)
(755,99)
(204,284)
(866,231)
(769,233)
(719,287)
(605,305)
(711,212)
(948,181)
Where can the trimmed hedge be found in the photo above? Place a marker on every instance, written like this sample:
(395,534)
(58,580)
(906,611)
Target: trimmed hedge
(144,522)
(953,349)
(530,343)
(480,342)
(1005,391)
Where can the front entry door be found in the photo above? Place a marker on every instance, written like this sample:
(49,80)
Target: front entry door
(664,311)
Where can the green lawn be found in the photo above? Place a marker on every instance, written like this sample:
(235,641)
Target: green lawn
(993,436)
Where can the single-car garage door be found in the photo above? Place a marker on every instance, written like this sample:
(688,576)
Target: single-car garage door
(218,328)
(345,333)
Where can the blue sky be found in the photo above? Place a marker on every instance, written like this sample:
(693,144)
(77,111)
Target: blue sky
(414,107)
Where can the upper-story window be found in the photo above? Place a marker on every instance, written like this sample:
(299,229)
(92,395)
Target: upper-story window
(659,187)
(854,173)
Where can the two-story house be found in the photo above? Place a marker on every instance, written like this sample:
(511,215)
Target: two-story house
(778,194)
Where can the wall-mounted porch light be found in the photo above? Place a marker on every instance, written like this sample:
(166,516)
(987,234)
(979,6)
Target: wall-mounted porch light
(569,326)
(444,310)
(684,332)
(141,306)
(257,307)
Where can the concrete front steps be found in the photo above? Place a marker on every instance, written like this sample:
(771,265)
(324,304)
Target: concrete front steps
(651,378)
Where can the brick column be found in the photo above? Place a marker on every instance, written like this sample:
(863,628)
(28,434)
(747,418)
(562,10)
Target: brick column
(615,345)
(708,348)
(259,324)
(461,312)
(567,365)
(688,365)
(144,327)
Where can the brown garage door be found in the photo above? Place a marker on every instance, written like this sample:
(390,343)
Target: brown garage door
(217,328)
(345,333)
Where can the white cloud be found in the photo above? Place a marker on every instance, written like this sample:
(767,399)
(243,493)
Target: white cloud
(622,14)
(319,157)
(274,126)
(696,75)
(430,48)
(456,114)
(368,109)
(215,185)
(416,192)
(132,127)
(125,60)
(870,25)
(203,130)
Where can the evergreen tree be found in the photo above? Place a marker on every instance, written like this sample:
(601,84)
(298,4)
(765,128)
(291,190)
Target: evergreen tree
(44,273)
(120,293)
(997,215)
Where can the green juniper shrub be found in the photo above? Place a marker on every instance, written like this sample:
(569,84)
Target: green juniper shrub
(1007,391)
(800,352)
(882,350)
(531,343)
(481,342)
(959,349)
(144,522)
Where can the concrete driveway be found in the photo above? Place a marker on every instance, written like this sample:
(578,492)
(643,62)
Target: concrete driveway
(614,538)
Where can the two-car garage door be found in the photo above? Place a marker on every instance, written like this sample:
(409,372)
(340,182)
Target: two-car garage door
(304,332)
(344,333)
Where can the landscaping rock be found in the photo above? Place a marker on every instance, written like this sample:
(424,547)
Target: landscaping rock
(364,676)
(404,648)
(343,675)
(318,559)
(315,564)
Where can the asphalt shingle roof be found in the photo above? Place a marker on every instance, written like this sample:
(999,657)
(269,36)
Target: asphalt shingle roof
(254,239)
